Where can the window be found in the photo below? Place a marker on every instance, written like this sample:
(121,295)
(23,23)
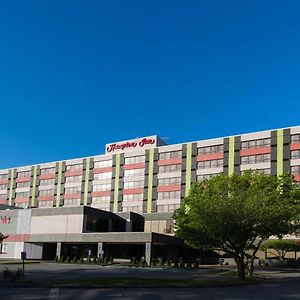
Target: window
(22,204)
(263,170)
(24,174)
(103,164)
(134,172)
(254,159)
(45,171)
(44,204)
(167,207)
(48,192)
(74,167)
(72,202)
(22,194)
(3,186)
(169,155)
(295,138)
(3,248)
(135,159)
(295,154)
(3,196)
(101,200)
(168,195)
(169,181)
(136,209)
(73,179)
(133,197)
(206,176)
(100,176)
(73,190)
(23,184)
(207,164)
(210,149)
(295,169)
(134,184)
(256,143)
(3,176)
(47,182)
(102,187)
(170,168)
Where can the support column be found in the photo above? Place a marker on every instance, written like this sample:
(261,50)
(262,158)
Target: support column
(100,249)
(148,253)
(58,250)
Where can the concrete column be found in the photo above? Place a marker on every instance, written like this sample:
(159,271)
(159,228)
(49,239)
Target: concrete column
(148,253)
(128,225)
(58,249)
(100,249)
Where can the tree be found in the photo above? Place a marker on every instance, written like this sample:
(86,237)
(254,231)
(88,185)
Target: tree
(2,237)
(236,213)
(280,246)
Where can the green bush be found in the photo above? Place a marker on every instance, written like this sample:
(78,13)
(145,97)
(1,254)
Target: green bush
(88,260)
(81,260)
(56,259)
(74,260)
(68,259)
(95,260)
(12,275)
(62,258)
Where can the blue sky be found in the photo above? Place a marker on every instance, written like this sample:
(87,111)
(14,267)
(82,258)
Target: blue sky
(75,75)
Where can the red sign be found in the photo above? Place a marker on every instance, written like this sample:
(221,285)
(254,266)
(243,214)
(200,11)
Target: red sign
(131,144)
(5,219)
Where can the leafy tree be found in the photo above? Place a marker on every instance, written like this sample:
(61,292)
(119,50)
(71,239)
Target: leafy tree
(3,237)
(237,213)
(280,246)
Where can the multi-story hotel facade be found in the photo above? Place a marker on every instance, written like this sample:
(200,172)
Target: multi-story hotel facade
(121,203)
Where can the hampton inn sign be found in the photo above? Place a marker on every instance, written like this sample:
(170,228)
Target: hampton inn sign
(136,144)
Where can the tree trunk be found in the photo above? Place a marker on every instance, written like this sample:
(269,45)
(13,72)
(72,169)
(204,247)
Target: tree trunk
(240,268)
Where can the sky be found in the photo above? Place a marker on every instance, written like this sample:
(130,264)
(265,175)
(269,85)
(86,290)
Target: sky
(75,75)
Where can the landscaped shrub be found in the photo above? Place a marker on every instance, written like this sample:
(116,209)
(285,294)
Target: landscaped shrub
(100,260)
(176,263)
(88,260)
(95,259)
(62,258)
(161,262)
(106,260)
(196,265)
(81,260)
(74,260)
(12,275)
(169,262)
(56,259)
(68,259)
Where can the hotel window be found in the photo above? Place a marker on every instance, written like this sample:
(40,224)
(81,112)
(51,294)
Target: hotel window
(74,167)
(24,174)
(254,159)
(256,143)
(169,181)
(207,164)
(263,170)
(48,192)
(210,149)
(295,138)
(3,186)
(46,171)
(102,187)
(170,168)
(72,202)
(136,209)
(44,204)
(3,196)
(73,179)
(295,169)
(133,197)
(295,154)
(101,200)
(22,205)
(22,194)
(100,176)
(134,159)
(168,195)
(134,172)
(206,176)
(73,190)
(167,207)
(169,155)
(23,184)
(47,181)
(3,176)
(102,164)
(134,184)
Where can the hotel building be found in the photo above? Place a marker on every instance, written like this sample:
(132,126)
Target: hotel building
(121,203)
